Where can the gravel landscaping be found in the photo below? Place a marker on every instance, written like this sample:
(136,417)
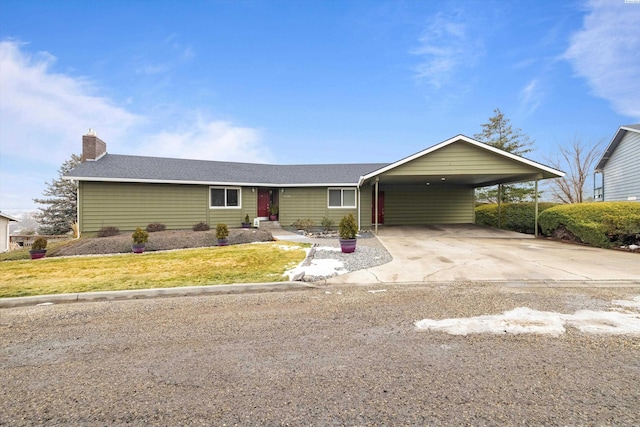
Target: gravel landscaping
(335,355)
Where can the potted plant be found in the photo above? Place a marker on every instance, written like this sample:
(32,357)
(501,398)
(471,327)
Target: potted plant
(222,232)
(38,248)
(273,212)
(140,238)
(347,229)
(246,222)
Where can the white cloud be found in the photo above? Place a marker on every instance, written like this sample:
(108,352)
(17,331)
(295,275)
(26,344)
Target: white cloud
(445,46)
(530,97)
(207,140)
(606,51)
(44,113)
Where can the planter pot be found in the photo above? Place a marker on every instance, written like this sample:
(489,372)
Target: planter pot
(37,254)
(137,249)
(223,242)
(246,225)
(273,217)
(348,245)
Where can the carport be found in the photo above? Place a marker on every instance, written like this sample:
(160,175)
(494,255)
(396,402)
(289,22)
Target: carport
(437,185)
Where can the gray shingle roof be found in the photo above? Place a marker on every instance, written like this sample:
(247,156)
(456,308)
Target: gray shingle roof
(113,167)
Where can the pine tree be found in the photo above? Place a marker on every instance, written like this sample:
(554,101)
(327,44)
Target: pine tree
(499,133)
(61,196)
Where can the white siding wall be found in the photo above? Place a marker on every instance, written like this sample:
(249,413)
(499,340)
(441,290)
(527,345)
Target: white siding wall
(622,170)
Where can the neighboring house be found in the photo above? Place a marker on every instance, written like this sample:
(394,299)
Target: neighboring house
(4,231)
(619,167)
(433,186)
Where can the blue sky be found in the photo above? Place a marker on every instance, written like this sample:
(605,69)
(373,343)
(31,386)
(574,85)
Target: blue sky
(303,81)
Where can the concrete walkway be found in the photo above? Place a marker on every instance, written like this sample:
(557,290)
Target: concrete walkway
(471,253)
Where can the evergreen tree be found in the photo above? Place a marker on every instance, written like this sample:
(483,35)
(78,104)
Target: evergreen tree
(499,133)
(61,196)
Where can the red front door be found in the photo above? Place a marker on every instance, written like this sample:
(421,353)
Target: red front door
(380,207)
(263,203)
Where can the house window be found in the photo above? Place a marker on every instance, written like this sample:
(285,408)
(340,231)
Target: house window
(342,198)
(222,197)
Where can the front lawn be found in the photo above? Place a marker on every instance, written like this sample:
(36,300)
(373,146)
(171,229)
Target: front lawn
(248,263)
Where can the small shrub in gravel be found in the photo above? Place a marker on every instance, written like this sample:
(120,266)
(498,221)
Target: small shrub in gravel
(201,226)
(108,231)
(327,223)
(305,224)
(155,226)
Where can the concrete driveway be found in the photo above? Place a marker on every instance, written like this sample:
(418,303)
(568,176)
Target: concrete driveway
(470,253)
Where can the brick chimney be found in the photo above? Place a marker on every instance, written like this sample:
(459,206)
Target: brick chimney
(92,147)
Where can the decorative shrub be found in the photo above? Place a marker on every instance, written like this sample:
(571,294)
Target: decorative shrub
(140,237)
(327,223)
(600,224)
(274,209)
(201,226)
(222,231)
(348,228)
(246,219)
(155,226)
(305,224)
(108,231)
(518,217)
(39,244)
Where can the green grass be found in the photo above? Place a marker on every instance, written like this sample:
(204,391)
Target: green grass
(250,263)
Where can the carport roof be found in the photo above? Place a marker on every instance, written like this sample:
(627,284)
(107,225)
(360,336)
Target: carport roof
(479,165)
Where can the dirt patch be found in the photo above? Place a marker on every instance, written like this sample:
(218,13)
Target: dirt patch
(158,241)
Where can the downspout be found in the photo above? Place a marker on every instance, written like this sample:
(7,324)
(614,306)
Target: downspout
(536,211)
(78,209)
(358,190)
(375,214)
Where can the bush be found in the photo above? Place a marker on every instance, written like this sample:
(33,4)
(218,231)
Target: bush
(108,231)
(140,237)
(246,219)
(201,226)
(600,224)
(348,228)
(222,231)
(305,224)
(327,223)
(155,226)
(518,217)
(39,244)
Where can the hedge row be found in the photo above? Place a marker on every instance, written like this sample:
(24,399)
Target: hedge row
(601,224)
(518,217)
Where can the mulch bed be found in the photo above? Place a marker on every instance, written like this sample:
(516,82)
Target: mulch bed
(158,241)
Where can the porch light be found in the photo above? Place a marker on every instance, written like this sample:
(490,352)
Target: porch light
(443,178)
(428,183)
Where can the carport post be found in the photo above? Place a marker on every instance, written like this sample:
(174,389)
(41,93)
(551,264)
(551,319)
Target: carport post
(375,215)
(499,206)
(535,233)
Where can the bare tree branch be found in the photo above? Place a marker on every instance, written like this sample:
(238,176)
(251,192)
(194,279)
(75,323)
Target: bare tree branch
(577,160)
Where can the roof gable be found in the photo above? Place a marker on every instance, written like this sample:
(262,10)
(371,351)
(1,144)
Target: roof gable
(615,141)
(462,155)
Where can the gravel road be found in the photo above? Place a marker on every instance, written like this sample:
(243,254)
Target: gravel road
(327,356)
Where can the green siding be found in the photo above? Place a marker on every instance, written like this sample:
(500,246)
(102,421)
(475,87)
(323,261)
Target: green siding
(408,205)
(131,205)
(300,203)
(460,159)
(366,203)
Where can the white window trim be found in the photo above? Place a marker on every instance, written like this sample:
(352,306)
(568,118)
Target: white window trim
(225,197)
(342,206)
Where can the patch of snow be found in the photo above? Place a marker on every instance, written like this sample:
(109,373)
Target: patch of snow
(524,320)
(44,304)
(376,291)
(319,268)
(289,247)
